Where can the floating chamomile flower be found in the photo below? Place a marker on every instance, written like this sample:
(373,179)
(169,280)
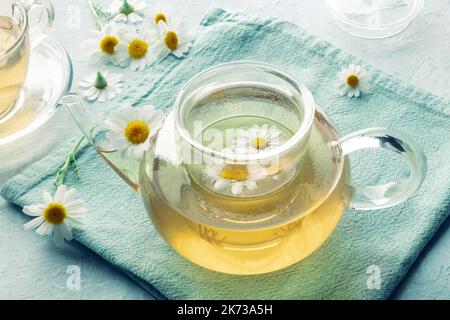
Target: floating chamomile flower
(173,39)
(135,50)
(102,85)
(130,130)
(127,10)
(258,138)
(103,45)
(234,176)
(353,81)
(157,13)
(57,215)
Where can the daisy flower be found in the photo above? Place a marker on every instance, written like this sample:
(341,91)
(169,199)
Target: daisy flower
(127,10)
(130,130)
(102,47)
(232,175)
(173,39)
(157,13)
(353,81)
(57,215)
(102,85)
(135,50)
(259,138)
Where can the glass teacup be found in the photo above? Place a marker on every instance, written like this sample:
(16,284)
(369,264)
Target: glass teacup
(248,175)
(16,39)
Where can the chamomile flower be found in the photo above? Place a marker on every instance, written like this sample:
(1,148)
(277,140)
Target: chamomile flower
(127,10)
(57,215)
(173,39)
(353,81)
(102,47)
(234,176)
(102,85)
(135,49)
(157,13)
(130,130)
(259,138)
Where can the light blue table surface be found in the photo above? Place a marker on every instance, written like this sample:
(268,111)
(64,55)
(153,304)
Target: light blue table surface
(33,268)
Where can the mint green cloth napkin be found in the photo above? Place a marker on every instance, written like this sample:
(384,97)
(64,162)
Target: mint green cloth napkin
(118,228)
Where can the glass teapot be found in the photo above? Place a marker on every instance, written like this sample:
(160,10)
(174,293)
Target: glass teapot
(247,174)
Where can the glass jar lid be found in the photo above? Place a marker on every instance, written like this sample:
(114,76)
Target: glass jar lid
(374,19)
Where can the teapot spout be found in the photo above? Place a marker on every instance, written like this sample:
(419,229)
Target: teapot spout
(94,129)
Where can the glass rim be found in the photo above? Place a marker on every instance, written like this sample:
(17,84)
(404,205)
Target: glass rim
(23,32)
(300,133)
(412,14)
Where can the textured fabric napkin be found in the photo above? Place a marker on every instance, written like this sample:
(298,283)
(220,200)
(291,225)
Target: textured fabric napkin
(118,228)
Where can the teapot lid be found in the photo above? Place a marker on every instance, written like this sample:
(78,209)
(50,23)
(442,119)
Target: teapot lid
(319,173)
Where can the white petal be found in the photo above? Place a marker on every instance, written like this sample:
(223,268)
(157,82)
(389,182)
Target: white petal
(66,232)
(351,68)
(34,210)
(263,130)
(139,150)
(60,192)
(47,198)
(161,51)
(36,222)
(178,53)
(274,133)
(76,222)
(91,96)
(155,117)
(364,86)
(220,185)
(45,229)
(109,94)
(68,196)
(102,96)
(251,185)
(236,187)
(342,89)
(134,65)
(162,26)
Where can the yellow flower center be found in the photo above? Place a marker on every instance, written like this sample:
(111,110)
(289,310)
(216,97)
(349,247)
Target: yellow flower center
(260,143)
(137,48)
(137,131)
(55,213)
(352,80)
(160,17)
(234,172)
(171,40)
(108,44)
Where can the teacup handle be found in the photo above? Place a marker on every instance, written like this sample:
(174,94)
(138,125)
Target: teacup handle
(393,192)
(46,16)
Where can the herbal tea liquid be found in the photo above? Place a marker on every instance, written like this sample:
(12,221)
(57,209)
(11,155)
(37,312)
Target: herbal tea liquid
(212,230)
(13,66)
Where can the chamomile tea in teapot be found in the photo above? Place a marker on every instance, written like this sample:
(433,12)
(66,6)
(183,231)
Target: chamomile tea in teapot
(247,175)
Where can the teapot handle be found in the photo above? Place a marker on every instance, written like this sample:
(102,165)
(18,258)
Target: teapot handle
(393,192)
(44,12)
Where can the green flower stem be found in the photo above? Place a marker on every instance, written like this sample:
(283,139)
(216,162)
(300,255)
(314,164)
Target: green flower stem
(70,161)
(99,14)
